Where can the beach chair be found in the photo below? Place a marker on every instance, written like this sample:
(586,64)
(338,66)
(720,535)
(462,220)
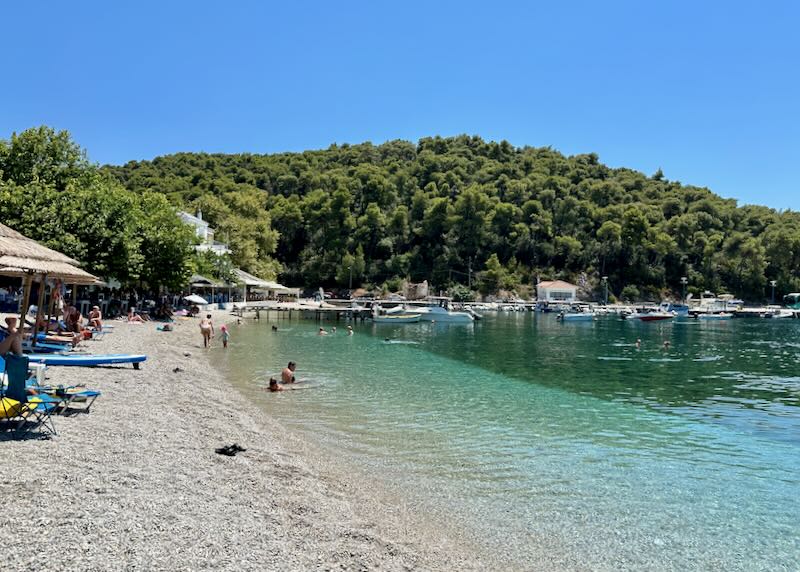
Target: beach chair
(69,399)
(29,412)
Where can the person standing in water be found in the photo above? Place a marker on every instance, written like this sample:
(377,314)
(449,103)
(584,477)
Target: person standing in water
(225,335)
(349,330)
(287,375)
(207,329)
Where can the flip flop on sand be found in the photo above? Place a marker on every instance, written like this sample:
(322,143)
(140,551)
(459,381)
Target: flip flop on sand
(230,450)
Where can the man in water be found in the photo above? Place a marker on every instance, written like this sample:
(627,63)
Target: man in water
(666,345)
(287,375)
(207,329)
(333,330)
(349,330)
(322,332)
(273,385)
(638,343)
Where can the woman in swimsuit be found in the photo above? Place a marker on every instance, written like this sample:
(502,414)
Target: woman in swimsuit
(207,329)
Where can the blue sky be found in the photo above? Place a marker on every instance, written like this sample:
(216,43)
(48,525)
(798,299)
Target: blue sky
(707,91)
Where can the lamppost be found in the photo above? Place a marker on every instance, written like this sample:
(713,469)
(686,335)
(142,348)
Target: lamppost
(604,280)
(684,282)
(773,283)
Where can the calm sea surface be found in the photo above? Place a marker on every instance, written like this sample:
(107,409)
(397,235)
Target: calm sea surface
(562,443)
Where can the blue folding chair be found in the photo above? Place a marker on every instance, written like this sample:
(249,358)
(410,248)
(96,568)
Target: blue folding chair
(30,412)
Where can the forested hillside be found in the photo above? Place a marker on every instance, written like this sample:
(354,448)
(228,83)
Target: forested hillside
(432,210)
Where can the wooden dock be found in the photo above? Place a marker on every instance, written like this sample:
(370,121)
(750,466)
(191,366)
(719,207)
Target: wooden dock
(314,311)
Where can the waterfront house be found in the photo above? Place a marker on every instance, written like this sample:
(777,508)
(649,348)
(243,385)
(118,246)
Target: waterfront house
(556,291)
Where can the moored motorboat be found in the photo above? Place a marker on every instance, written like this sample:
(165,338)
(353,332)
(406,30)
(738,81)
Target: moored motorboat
(575,316)
(715,316)
(437,309)
(649,316)
(396,319)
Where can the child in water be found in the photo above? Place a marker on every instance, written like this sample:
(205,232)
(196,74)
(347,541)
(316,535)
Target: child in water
(225,335)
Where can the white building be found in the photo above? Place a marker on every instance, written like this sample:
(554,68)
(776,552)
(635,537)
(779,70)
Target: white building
(205,233)
(556,291)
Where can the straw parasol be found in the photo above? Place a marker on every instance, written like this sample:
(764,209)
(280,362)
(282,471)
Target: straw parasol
(24,257)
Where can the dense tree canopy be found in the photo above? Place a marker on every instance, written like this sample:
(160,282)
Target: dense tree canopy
(435,209)
(49,192)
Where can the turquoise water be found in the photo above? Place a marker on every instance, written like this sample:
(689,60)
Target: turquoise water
(559,444)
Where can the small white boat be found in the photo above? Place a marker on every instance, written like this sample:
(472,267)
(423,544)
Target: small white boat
(679,310)
(778,314)
(718,316)
(396,319)
(650,316)
(575,316)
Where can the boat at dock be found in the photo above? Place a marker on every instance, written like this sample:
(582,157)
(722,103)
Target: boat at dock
(715,316)
(439,309)
(397,319)
(775,313)
(678,310)
(575,316)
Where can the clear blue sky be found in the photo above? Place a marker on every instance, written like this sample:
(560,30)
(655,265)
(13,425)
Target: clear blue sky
(708,91)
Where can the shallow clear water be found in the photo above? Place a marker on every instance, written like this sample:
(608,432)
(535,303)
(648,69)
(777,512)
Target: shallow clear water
(563,443)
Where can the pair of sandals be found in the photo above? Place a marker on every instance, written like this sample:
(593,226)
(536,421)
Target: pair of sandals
(230,450)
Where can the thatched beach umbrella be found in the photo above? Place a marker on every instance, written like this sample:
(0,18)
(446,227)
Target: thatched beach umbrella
(24,257)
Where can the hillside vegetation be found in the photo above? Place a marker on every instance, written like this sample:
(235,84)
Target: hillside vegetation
(438,208)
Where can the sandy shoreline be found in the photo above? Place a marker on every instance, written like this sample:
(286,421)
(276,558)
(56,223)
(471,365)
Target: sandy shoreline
(136,484)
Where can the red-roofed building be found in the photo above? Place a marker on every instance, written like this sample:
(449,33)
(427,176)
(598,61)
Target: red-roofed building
(556,291)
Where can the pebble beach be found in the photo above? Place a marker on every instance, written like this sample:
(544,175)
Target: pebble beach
(136,484)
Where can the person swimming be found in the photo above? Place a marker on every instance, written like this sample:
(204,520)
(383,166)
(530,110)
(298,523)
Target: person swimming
(322,332)
(349,330)
(274,328)
(273,385)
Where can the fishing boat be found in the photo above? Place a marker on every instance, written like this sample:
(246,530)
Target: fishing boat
(396,319)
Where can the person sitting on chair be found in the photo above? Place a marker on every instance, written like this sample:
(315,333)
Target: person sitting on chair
(96,318)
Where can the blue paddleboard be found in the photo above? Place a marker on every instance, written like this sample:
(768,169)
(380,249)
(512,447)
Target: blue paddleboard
(89,360)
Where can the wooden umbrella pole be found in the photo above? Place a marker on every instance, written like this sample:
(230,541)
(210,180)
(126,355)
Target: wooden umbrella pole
(39,310)
(26,296)
(51,305)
